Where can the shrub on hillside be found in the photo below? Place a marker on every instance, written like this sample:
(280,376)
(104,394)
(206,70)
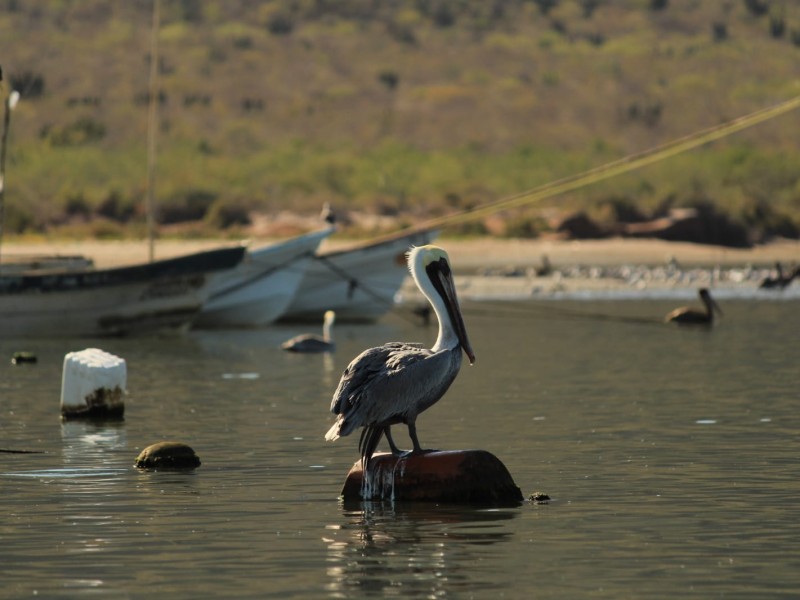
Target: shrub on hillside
(777,26)
(224,215)
(186,206)
(77,206)
(84,130)
(18,219)
(30,85)
(767,222)
(115,208)
(280,24)
(525,226)
(757,8)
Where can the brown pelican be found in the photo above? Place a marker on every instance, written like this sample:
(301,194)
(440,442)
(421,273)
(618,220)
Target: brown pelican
(393,383)
(308,342)
(690,316)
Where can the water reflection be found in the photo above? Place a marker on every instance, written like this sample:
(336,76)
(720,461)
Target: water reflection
(416,550)
(89,441)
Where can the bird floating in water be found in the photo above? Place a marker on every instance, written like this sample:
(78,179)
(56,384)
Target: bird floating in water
(395,382)
(691,316)
(780,280)
(308,342)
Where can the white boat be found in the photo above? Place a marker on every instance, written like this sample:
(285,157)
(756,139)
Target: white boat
(262,286)
(164,294)
(358,283)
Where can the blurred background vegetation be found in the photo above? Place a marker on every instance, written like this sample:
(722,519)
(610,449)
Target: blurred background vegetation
(405,110)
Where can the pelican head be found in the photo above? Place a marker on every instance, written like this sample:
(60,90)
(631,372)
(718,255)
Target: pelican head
(327,323)
(710,303)
(430,268)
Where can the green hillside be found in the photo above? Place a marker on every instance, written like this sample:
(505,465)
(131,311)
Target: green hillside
(410,108)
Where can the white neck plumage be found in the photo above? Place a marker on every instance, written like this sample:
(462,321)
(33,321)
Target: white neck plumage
(447,338)
(327,325)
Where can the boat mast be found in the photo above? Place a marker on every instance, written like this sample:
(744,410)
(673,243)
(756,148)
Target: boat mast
(9,102)
(152,130)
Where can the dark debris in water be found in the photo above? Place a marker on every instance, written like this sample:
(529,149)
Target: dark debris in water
(22,358)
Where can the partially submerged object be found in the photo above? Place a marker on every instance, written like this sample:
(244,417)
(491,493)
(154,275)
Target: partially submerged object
(462,476)
(167,455)
(93,385)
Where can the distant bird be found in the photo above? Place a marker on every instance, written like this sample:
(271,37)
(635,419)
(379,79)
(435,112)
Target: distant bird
(546,269)
(394,383)
(689,316)
(780,280)
(327,214)
(308,342)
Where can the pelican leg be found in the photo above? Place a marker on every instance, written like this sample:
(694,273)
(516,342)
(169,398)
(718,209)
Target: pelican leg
(395,450)
(412,433)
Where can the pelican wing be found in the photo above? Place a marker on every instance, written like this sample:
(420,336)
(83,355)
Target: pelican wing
(387,383)
(364,368)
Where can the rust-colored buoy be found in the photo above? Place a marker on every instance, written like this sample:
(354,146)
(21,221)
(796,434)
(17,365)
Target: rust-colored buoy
(459,476)
(167,455)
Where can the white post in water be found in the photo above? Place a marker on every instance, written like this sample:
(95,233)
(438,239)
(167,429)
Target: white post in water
(93,385)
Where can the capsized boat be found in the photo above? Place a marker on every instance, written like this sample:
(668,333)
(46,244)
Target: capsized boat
(163,294)
(262,286)
(358,283)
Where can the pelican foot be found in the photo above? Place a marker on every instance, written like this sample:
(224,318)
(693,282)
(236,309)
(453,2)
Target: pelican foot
(417,452)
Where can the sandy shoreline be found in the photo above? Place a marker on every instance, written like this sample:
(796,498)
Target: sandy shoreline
(490,269)
(472,255)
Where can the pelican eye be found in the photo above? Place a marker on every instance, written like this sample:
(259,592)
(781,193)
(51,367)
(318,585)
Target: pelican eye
(441,265)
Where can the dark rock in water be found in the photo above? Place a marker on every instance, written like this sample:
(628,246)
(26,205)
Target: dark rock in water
(461,476)
(167,455)
(21,358)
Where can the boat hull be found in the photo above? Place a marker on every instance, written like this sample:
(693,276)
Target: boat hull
(359,284)
(260,289)
(165,294)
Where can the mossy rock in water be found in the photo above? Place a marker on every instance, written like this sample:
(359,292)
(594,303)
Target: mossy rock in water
(167,455)
(21,358)
(539,498)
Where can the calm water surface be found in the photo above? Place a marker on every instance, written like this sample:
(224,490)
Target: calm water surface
(671,457)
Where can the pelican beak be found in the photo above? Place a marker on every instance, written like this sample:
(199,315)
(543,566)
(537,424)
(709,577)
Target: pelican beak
(442,278)
(716,307)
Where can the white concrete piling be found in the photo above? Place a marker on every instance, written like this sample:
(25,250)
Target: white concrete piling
(93,385)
